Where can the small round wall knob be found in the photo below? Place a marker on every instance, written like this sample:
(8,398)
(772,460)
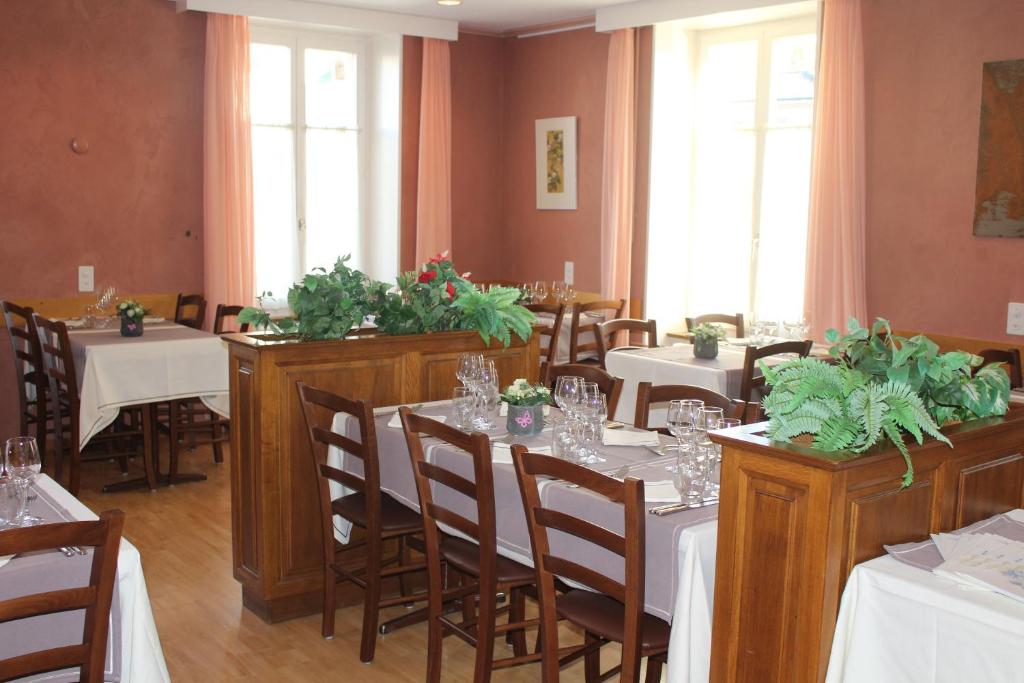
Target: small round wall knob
(79,145)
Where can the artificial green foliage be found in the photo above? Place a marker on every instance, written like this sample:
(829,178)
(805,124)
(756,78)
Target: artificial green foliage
(493,313)
(422,302)
(880,386)
(708,331)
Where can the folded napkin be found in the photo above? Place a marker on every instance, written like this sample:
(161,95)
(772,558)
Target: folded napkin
(501,452)
(153,319)
(623,437)
(396,420)
(503,410)
(660,492)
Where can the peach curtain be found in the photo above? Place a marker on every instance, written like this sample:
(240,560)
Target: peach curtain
(618,175)
(228,256)
(434,183)
(835,287)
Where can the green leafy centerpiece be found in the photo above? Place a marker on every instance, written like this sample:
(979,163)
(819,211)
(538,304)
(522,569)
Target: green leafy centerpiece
(525,407)
(327,305)
(880,385)
(705,340)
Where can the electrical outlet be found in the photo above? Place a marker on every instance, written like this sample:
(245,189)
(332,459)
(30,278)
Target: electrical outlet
(569,268)
(1015,319)
(86,278)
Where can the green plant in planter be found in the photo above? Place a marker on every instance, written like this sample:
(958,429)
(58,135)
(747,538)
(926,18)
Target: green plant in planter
(326,304)
(705,340)
(881,386)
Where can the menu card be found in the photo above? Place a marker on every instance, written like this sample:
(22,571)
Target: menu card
(982,561)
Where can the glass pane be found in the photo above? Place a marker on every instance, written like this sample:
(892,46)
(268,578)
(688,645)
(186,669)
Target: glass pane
(331,89)
(791,98)
(273,179)
(783,231)
(728,84)
(332,197)
(270,84)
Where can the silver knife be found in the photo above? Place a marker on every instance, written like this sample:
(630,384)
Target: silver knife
(679,507)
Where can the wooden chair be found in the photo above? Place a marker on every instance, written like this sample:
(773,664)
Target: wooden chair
(647,394)
(734,320)
(607,331)
(59,363)
(381,517)
(750,382)
(609,385)
(195,301)
(222,313)
(1013,364)
(104,536)
(612,611)
(476,558)
(552,333)
(576,347)
(33,408)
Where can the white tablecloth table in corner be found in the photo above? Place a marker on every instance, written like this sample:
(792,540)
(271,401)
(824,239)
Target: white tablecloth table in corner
(168,361)
(142,659)
(900,623)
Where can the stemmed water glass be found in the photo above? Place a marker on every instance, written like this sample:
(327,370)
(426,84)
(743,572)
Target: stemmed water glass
(558,291)
(570,294)
(714,482)
(566,389)
(681,421)
(588,413)
(704,448)
(487,395)
(527,290)
(540,291)
(22,462)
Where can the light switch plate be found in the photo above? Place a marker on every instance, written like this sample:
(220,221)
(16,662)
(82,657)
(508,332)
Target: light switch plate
(569,268)
(1015,319)
(86,278)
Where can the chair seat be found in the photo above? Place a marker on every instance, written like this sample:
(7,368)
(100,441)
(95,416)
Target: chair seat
(605,616)
(394,516)
(465,557)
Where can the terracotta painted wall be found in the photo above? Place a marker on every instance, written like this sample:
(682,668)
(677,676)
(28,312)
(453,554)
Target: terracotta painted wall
(128,76)
(926,271)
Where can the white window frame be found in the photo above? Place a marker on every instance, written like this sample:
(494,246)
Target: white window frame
(298,40)
(763,33)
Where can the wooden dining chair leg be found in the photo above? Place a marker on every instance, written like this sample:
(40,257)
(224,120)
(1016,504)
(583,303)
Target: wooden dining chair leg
(591,660)
(371,597)
(173,434)
(435,636)
(517,613)
(485,636)
(218,450)
(403,558)
(329,607)
(653,670)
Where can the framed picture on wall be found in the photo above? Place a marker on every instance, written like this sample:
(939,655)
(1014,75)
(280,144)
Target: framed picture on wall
(556,163)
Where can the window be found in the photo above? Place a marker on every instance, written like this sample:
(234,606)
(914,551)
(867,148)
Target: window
(306,100)
(743,162)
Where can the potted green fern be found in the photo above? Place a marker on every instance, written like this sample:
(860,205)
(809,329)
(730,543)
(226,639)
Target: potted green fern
(879,386)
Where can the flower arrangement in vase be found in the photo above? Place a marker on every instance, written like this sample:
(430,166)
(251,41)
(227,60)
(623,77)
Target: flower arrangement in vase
(705,340)
(131,315)
(525,407)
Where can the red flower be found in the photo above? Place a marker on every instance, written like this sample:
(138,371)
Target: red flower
(451,291)
(438,258)
(427,276)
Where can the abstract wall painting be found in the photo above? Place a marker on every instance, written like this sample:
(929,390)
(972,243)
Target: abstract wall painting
(556,163)
(999,192)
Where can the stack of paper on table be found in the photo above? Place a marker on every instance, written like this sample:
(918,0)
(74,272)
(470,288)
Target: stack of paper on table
(982,561)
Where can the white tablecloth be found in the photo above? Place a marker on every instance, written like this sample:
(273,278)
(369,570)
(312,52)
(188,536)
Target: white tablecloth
(168,361)
(142,659)
(900,623)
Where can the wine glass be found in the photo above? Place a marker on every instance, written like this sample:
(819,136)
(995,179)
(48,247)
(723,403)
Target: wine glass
(592,411)
(570,294)
(681,423)
(540,291)
(558,291)
(566,389)
(468,368)
(22,462)
(527,290)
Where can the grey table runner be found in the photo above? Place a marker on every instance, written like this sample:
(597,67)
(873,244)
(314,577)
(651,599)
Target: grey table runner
(48,571)
(513,537)
(926,555)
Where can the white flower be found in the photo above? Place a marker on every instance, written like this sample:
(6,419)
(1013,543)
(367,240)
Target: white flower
(134,312)
(123,306)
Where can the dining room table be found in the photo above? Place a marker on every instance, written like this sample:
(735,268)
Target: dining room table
(680,547)
(564,338)
(133,652)
(168,362)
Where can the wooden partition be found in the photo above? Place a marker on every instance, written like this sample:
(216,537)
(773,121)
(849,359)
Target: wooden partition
(793,522)
(71,307)
(274,507)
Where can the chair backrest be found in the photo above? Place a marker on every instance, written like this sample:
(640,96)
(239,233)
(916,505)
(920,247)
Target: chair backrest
(648,395)
(104,536)
(552,333)
(318,409)
(224,311)
(734,320)
(195,301)
(1013,364)
(59,363)
(577,347)
(607,331)
(431,477)
(630,545)
(28,361)
(610,385)
(755,353)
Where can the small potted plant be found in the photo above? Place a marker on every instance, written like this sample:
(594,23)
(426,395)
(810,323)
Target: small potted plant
(131,314)
(705,340)
(525,407)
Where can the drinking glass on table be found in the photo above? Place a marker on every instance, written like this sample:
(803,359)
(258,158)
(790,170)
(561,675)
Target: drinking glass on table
(463,401)
(23,464)
(12,501)
(688,480)
(487,395)
(527,290)
(681,421)
(564,442)
(468,368)
(570,294)
(566,389)
(707,421)
(714,471)
(558,291)
(540,291)
(592,412)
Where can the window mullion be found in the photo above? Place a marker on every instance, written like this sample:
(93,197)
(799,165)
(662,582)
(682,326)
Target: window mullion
(299,114)
(760,126)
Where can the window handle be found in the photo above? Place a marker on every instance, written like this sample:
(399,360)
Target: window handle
(302,225)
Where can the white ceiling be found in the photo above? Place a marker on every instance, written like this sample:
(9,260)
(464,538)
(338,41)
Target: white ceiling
(488,15)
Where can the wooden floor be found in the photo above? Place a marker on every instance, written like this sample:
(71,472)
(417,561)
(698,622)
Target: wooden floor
(184,536)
